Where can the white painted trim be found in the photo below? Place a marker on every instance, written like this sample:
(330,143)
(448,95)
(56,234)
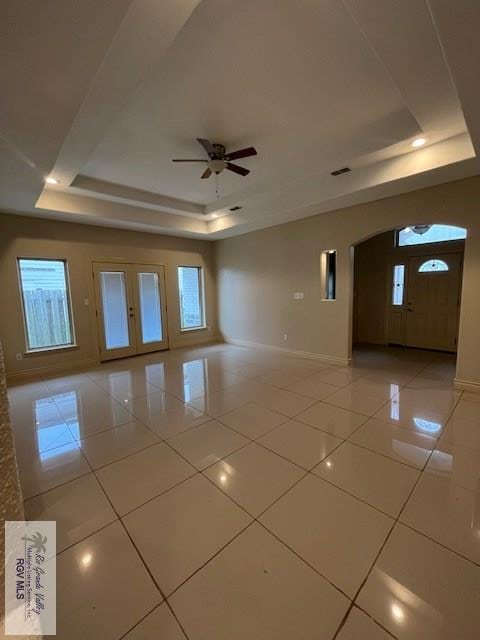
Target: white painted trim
(290,352)
(466,385)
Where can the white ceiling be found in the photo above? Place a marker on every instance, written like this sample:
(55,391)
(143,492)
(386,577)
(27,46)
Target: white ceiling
(104,106)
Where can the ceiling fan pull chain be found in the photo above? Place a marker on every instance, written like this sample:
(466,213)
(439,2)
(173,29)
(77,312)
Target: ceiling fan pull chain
(216,186)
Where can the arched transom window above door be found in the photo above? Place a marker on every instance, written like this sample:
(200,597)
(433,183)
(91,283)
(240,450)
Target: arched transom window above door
(433,265)
(428,233)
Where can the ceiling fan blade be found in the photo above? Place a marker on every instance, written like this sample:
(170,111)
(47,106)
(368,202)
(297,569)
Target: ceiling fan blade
(241,153)
(183,160)
(207,145)
(237,169)
(207,173)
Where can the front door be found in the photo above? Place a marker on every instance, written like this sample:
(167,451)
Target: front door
(433,298)
(131,310)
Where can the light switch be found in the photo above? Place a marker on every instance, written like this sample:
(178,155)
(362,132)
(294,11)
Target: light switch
(86,302)
(298,295)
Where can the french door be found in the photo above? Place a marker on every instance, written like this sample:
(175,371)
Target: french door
(131,310)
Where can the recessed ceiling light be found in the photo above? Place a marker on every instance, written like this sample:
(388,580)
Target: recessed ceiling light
(86,559)
(214,215)
(397,613)
(418,142)
(51,181)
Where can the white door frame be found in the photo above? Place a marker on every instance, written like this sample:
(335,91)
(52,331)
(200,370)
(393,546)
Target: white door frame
(131,271)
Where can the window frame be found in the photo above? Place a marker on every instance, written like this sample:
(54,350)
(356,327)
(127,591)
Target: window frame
(397,244)
(432,261)
(328,275)
(60,347)
(393,285)
(201,290)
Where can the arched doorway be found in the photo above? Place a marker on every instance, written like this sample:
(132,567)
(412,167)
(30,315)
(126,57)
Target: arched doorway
(407,287)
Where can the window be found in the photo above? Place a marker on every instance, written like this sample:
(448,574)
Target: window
(433,265)
(329,274)
(46,303)
(427,233)
(190,288)
(398,284)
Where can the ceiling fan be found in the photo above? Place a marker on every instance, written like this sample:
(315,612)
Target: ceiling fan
(219,160)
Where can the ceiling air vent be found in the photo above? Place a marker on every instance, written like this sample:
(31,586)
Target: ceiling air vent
(235,208)
(339,172)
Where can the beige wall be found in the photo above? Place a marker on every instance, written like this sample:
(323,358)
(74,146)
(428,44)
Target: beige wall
(257,276)
(259,272)
(373,320)
(80,244)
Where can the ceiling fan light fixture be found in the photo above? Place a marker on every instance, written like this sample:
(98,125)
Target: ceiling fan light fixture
(218,160)
(217,166)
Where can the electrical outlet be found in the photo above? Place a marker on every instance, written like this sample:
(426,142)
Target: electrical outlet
(86,302)
(19,356)
(298,295)
(285,337)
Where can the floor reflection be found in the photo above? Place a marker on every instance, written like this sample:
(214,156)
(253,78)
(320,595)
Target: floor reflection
(53,438)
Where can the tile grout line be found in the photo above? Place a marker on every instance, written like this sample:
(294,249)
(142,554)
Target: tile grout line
(256,440)
(251,440)
(119,519)
(353,602)
(255,519)
(122,524)
(376,622)
(387,538)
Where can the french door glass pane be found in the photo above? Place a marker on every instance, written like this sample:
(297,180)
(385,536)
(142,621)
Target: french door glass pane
(114,304)
(150,313)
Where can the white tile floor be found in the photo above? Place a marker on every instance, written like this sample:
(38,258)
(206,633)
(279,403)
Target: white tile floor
(222,492)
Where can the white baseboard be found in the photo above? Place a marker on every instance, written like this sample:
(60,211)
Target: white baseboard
(30,375)
(43,372)
(290,352)
(466,385)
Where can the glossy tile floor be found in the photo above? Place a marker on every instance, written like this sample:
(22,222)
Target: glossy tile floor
(223,492)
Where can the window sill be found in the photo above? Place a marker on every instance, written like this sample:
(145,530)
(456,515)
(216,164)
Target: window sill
(189,330)
(66,347)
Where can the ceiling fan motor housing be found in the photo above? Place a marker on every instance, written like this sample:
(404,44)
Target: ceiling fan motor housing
(219,159)
(218,152)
